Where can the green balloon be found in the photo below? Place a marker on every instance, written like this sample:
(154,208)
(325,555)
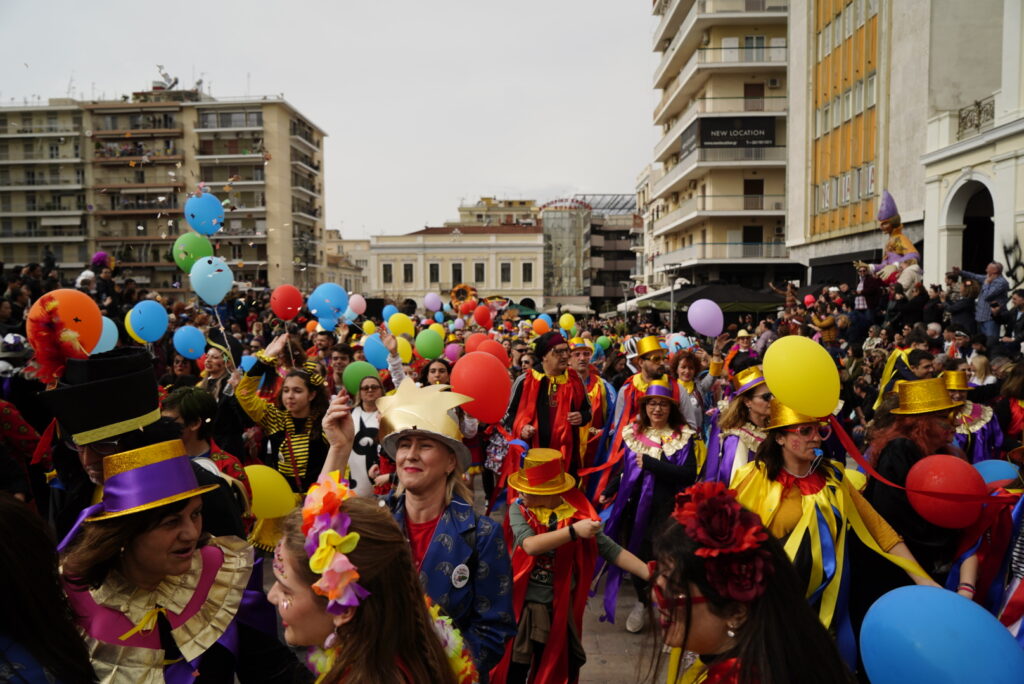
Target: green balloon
(429,344)
(190,248)
(354,374)
(604,342)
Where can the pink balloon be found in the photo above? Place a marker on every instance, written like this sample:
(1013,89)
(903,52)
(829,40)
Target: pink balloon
(452,352)
(357,304)
(706,317)
(459,324)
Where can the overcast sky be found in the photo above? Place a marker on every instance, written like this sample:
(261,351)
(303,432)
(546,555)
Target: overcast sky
(426,103)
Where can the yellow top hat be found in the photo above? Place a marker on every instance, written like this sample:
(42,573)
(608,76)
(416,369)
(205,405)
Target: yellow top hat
(781,416)
(747,378)
(543,473)
(647,345)
(578,343)
(924,396)
(955,379)
(422,411)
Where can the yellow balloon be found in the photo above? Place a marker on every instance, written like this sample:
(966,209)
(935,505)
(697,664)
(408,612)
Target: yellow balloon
(400,324)
(567,322)
(404,349)
(271,495)
(438,328)
(369,328)
(802,375)
(129,330)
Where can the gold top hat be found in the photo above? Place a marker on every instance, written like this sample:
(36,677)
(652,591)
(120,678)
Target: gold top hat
(423,411)
(647,345)
(924,396)
(955,379)
(742,333)
(578,343)
(781,416)
(747,378)
(543,472)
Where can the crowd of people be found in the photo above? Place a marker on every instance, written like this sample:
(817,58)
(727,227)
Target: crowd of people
(410,540)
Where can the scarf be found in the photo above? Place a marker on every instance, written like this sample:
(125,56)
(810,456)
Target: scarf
(568,392)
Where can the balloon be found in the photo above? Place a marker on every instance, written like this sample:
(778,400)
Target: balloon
(452,351)
(540,326)
(432,302)
(809,300)
(404,349)
(375,351)
(247,362)
(459,324)
(474,341)
(802,375)
(482,316)
(311,326)
(914,635)
(188,248)
(76,311)
(546,319)
(108,338)
(495,349)
(286,302)
(400,324)
(567,321)
(326,324)
(149,320)
(481,376)
(189,341)
(705,317)
(429,343)
(447,306)
(354,374)
(128,328)
(369,328)
(467,307)
(994,470)
(204,213)
(211,279)
(389,311)
(438,328)
(946,475)
(357,303)
(272,497)
(439,317)
(328,301)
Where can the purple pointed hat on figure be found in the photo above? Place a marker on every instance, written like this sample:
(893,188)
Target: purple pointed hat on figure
(887,208)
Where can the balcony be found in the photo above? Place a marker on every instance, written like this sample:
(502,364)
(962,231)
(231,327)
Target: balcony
(141,132)
(15,131)
(704,252)
(701,207)
(717,157)
(221,157)
(307,165)
(772,104)
(976,118)
(135,158)
(41,210)
(42,160)
(172,184)
(671,17)
(308,189)
(39,236)
(34,185)
(137,208)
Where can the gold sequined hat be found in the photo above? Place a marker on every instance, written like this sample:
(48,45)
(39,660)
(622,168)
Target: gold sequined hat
(747,378)
(955,380)
(422,411)
(781,416)
(543,473)
(924,396)
(647,345)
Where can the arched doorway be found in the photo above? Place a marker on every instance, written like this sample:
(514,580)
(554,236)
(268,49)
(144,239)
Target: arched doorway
(979,229)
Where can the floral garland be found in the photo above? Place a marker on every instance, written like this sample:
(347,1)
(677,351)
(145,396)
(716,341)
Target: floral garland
(454,646)
(730,540)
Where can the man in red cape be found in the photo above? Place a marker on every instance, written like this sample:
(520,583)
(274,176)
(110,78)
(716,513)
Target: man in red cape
(599,396)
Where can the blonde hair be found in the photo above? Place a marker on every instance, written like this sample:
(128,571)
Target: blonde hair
(981,367)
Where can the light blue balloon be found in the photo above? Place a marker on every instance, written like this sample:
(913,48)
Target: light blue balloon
(247,363)
(375,351)
(189,341)
(211,279)
(328,301)
(914,635)
(547,319)
(108,337)
(204,213)
(389,311)
(439,317)
(447,306)
(994,469)
(598,353)
(149,320)
(349,314)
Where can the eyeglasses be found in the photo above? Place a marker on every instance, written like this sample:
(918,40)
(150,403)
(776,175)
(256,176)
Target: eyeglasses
(667,605)
(561,351)
(370,388)
(824,430)
(766,396)
(103,448)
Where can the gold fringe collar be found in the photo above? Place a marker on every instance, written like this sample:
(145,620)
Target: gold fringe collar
(972,417)
(750,436)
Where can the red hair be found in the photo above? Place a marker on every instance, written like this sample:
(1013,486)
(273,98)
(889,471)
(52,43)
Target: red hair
(929,432)
(682,355)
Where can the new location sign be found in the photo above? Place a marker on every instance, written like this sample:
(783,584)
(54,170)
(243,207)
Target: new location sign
(740,131)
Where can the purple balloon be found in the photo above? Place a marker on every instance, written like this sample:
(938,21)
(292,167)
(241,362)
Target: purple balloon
(432,301)
(706,317)
(459,324)
(452,351)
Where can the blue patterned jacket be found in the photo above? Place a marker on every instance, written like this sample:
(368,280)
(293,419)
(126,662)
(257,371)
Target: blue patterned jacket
(482,607)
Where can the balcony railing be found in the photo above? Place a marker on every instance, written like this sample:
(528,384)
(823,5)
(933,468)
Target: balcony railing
(715,155)
(722,250)
(720,203)
(742,55)
(11,182)
(53,129)
(975,118)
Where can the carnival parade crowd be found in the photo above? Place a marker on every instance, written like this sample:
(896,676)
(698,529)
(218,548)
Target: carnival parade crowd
(277,487)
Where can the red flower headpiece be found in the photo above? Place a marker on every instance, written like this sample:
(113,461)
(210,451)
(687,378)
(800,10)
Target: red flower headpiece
(729,538)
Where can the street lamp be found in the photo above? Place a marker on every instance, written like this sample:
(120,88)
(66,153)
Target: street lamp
(672,300)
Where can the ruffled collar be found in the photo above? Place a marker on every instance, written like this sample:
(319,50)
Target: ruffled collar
(808,485)
(750,435)
(972,417)
(174,593)
(656,443)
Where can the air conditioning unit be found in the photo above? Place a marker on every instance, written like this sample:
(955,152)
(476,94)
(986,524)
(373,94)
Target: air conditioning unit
(780,231)
(774,83)
(693,184)
(778,206)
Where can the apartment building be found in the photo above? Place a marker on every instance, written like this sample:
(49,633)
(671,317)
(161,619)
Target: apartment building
(491,211)
(716,192)
(341,266)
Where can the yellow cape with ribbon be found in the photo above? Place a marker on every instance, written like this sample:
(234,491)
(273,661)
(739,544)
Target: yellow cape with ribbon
(887,372)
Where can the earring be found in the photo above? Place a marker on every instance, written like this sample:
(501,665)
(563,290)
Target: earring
(331,641)
(731,632)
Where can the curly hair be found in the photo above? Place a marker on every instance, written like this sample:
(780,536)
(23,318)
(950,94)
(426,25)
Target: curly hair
(930,432)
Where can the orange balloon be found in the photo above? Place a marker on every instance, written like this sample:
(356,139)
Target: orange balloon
(311,326)
(69,310)
(540,326)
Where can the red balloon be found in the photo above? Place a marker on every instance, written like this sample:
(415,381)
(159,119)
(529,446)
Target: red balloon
(286,302)
(467,307)
(481,376)
(482,315)
(474,341)
(941,474)
(495,349)
(809,300)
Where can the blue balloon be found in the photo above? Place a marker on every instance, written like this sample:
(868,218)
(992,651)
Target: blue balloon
(247,362)
(447,306)
(149,320)
(328,323)
(914,635)
(547,319)
(375,351)
(349,314)
(439,317)
(108,337)
(204,213)
(211,280)
(389,311)
(188,341)
(994,469)
(328,301)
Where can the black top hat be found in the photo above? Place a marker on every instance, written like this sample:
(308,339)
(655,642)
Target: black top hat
(105,395)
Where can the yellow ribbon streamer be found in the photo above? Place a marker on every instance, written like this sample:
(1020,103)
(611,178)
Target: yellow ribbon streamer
(146,624)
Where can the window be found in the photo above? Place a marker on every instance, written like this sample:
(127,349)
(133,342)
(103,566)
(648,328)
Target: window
(870,183)
(826,40)
(869,92)
(386,273)
(872,7)
(527,272)
(4,152)
(30,201)
(254,119)
(858,10)
(847,180)
(837,32)
(506,272)
(825,112)
(456,274)
(823,194)
(479,273)
(847,105)
(855,190)
(434,273)
(817,123)
(858,97)
(406,273)
(837,114)
(236,251)
(848,21)
(6,227)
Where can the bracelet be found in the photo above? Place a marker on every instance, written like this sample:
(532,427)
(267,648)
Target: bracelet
(572,533)
(266,358)
(965,586)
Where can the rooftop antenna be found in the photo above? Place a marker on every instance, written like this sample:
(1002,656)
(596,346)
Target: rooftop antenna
(248,76)
(71,84)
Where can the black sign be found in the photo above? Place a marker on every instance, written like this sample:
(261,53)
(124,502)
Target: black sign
(740,131)
(688,140)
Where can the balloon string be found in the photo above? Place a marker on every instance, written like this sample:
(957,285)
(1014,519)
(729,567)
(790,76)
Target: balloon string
(228,356)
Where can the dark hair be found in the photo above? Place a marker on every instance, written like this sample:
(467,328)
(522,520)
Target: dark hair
(781,640)
(443,362)
(317,405)
(915,357)
(675,416)
(192,404)
(193,367)
(342,348)
(769,454)
(917,336)
(36,612)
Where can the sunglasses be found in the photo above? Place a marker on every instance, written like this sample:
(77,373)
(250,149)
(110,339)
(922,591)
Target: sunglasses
(823,430)
(667,605)
(767,396)
(370,388)
(103,448)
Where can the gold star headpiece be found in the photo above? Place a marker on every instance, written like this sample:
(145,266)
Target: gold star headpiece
(424,411)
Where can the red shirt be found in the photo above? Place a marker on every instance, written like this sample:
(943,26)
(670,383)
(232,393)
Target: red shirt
(420,535)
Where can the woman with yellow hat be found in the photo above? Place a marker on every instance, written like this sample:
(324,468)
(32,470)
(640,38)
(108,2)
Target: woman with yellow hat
(737,432)
(808,503)
(977,431)
(660,460)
